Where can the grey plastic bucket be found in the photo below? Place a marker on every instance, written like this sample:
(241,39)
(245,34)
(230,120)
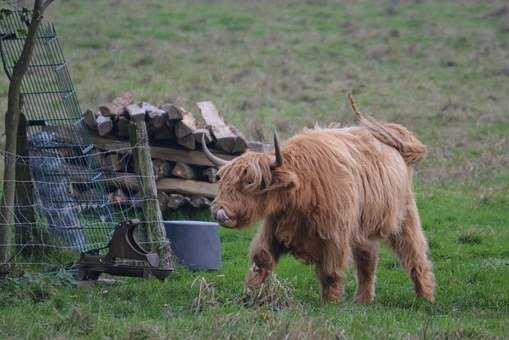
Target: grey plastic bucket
(196,244)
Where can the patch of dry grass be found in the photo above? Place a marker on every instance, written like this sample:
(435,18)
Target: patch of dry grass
(274,293)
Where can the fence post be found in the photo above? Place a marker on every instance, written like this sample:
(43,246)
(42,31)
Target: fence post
(24,211)
(155,231)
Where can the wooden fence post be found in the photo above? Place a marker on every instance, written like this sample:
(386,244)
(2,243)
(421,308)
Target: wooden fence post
(155,231)
(25,212)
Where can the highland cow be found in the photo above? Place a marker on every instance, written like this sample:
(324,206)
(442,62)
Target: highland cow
(329,195)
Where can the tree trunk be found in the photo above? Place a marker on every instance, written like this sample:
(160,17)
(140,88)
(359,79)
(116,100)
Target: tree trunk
(11,130)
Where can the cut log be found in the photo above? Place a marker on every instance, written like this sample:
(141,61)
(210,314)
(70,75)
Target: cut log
(189,142)
(210,174)
(165,133)
(136,112)
(186,126)
(169,154)
(122,101)
(123,127)
(162,197)
(198,134)
(89,118)
(176,201)
(174,112)
(225,137)
(104,125)
(157,117)
(118,105)
(199,202)
(119,196)
(240,142)
(259,147)
(111,162)
(162,168)
(183,170)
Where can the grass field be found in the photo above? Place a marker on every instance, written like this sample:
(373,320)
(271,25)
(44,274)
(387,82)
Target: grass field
(439,67)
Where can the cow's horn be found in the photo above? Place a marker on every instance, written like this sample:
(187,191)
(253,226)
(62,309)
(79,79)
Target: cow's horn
(214,159)
(278,161)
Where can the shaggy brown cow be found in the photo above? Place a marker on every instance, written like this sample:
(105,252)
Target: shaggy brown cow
(326,195)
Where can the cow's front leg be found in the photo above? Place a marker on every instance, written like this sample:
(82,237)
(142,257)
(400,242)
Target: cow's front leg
(331,269)
(265,252)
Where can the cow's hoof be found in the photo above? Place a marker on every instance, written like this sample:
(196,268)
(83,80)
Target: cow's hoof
(331,294)
(364,299)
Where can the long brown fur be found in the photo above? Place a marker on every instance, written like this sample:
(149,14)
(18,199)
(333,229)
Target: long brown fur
(338,192)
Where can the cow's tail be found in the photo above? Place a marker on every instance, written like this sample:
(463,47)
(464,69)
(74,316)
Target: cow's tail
(411,149)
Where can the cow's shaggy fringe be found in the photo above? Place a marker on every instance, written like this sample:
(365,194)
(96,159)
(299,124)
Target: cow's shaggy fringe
(338,192)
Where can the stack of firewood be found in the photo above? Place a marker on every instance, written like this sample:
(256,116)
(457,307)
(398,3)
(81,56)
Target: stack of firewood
(184,175)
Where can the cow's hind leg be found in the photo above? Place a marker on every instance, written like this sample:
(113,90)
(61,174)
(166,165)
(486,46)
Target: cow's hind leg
(411,246)
(366,260)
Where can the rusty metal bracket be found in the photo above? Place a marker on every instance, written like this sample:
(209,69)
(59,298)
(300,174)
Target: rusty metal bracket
(125,257)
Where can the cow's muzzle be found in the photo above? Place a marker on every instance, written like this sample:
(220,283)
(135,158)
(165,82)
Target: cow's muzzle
(222,217)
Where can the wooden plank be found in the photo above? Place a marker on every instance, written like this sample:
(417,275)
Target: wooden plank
(165,153)
(171,185)
(187,186)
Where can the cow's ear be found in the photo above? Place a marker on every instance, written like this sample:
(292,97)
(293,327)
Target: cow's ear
(283,179)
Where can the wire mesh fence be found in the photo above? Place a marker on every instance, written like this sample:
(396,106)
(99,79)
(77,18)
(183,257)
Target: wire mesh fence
(65,200)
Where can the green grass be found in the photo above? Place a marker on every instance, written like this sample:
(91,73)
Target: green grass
(468,238)
(434,66)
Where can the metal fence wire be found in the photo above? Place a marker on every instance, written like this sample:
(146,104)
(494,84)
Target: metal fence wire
(63,204)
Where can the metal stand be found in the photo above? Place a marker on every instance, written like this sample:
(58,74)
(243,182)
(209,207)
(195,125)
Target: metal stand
(122,246)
